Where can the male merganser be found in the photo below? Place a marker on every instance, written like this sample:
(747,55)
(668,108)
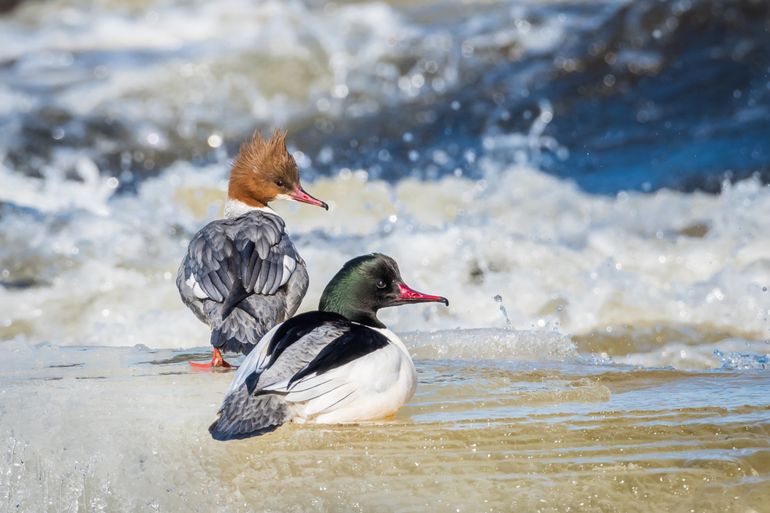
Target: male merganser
(242,275)
(338,364)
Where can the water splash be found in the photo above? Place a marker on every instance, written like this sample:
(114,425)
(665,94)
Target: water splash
(733,360)
(499,300)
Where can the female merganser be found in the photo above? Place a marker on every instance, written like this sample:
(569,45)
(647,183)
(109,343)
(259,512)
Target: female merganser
(242,275)
(339,364)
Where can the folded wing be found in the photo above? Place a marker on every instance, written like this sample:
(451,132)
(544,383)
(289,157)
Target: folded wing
(231,259)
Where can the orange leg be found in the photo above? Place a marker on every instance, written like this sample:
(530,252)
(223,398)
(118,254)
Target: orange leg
(216,361)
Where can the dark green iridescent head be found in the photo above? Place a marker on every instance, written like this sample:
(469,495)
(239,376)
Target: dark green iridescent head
(367,283)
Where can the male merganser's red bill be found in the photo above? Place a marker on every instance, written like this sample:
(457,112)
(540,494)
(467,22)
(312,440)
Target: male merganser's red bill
(242,275)
(408,295)
(337,364)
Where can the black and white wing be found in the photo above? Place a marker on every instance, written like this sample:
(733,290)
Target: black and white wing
(310,358)
(304,360)
(345,371)
(288,348)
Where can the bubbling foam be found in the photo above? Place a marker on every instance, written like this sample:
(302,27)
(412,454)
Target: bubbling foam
(81,265)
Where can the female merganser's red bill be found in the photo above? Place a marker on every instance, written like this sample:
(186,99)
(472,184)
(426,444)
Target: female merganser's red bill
(300,195)
(338,364)
(242,274)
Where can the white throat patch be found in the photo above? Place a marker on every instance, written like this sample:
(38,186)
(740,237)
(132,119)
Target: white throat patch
(235,208)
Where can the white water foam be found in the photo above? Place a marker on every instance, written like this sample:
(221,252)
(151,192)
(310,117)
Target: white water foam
(727,354)
(561,260)
(491,344)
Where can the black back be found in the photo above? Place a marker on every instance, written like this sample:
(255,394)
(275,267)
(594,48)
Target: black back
(299,326)
(355,343)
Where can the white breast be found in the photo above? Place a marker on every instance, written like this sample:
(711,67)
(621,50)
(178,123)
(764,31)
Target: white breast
(372,387)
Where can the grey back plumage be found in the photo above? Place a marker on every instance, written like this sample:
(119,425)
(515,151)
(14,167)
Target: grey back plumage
(242,276)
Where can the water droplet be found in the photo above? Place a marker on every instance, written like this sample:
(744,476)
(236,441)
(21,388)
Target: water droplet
(499,300)
(341,91)
(214,140)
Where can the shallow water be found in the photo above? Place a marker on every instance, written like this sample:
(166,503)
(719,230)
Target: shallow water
(96,429)
(585,181)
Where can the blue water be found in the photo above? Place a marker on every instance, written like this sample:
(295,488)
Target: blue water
(641,95)
(638,107)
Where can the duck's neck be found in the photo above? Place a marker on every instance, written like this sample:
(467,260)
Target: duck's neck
(235,208)
(337,301)
(366,318)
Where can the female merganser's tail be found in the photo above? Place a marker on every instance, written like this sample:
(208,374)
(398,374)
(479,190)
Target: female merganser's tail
(238,333)
(242,328)
(243,415)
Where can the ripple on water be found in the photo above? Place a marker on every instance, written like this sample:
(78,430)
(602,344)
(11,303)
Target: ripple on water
(484,435)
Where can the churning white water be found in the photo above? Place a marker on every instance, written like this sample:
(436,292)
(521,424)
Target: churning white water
(561,260)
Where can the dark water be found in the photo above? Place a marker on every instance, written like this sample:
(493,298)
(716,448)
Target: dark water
(639,95)
(654,94)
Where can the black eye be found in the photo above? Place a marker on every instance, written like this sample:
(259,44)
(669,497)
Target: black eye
(381,284)
(279,183)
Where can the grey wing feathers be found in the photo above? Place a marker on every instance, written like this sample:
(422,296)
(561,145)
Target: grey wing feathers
(295,289)
(207,252)
(251,251)
(243,415)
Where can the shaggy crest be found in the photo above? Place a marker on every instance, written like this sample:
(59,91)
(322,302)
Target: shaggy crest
(260,153)
(263,169)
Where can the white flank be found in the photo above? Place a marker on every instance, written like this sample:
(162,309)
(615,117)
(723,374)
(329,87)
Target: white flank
(372,387)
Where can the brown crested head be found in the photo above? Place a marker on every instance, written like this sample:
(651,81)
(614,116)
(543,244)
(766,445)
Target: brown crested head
(263,170)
